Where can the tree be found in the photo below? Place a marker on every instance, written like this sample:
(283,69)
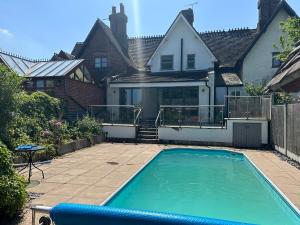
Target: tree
(259,90)
(254,90)
(291,35)
(10,87)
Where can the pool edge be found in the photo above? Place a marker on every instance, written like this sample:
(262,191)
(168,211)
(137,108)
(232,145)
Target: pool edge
(238,151)
(274,186)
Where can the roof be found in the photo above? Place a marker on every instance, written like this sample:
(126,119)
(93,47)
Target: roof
(38,68)
(147,77)
(140,49)
(282,5)
(228,79)
(79,46)
(191,27)
(53,68)
(62,55)
(227,46)
(288,72)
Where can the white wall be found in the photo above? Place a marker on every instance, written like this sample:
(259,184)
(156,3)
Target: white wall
(112,96)
(120,131)
(257,65)
(171,45)
(208,135)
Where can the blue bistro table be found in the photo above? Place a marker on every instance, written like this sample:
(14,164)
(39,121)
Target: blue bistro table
(29,151)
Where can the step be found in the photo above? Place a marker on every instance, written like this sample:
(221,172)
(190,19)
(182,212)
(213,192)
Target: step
(147,140)
(147,131)
(148,128)
(147,136)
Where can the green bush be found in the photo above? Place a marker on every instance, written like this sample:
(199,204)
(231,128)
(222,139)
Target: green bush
(12,187)
(87,127)
(10,86)
(32,116)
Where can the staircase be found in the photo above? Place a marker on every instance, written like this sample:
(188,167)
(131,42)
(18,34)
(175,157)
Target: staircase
(147,132)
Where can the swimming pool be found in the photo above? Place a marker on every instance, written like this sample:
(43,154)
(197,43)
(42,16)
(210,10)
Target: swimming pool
(215,184)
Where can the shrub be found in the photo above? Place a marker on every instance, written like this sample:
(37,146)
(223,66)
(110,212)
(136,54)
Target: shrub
(87,127)
(12,187)
(10,86)
(32,117)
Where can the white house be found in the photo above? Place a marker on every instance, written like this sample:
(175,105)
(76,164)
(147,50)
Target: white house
(185,67)
(181,73)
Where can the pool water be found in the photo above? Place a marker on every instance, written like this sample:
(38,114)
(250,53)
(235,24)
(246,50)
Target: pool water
(214,184)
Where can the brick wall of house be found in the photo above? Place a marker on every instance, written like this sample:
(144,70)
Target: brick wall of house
(85,94)
(77,96)
(100,46)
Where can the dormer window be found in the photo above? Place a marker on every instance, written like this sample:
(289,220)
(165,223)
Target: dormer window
(190,61)
(166,62)
(100,62)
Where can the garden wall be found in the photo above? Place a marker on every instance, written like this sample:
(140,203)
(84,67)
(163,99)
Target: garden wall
(64,149)
(209,136)
(285,130)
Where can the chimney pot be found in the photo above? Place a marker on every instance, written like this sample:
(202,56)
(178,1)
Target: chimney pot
(114,10)
(122,10)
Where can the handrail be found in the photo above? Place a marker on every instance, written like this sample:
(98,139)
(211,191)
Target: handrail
(128,106)
(138,115)
(157,118)
(189,106)
(40,209)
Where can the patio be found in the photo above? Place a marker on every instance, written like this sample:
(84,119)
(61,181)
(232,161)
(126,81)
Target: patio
(91,175)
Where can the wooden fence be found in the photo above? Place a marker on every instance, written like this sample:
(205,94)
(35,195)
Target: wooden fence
(285,130)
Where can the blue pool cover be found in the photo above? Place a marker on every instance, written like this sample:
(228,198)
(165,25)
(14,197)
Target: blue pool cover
(76,214)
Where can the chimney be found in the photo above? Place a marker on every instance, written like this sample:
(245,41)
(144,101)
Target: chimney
(122,10)
(266,10)
(118,26)
(189,15)
(114,10)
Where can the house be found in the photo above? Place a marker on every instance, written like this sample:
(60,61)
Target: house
(185,67)
(105,49)
(287,78)
(68,80)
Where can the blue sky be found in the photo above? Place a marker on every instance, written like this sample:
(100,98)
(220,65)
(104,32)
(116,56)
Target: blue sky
(38,28)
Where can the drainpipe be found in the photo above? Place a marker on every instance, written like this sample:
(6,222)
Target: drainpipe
(181,55)
(209,92)
(209,101)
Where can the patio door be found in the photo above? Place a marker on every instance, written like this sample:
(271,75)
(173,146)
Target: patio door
(131,96)
(150,103)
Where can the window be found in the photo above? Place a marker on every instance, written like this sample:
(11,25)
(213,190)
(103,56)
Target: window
(276,63)
(190,61)
(40,84)
(29,84)
(235,93)
(180,96)
(166,62)
(50,83)
(101,62)
(131,96)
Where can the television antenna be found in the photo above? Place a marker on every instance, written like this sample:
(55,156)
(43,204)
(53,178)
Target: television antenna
(192,4)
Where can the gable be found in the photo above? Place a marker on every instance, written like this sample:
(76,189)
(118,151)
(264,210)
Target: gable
(283,7)
(257,64)
(101,33)
(191,44)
